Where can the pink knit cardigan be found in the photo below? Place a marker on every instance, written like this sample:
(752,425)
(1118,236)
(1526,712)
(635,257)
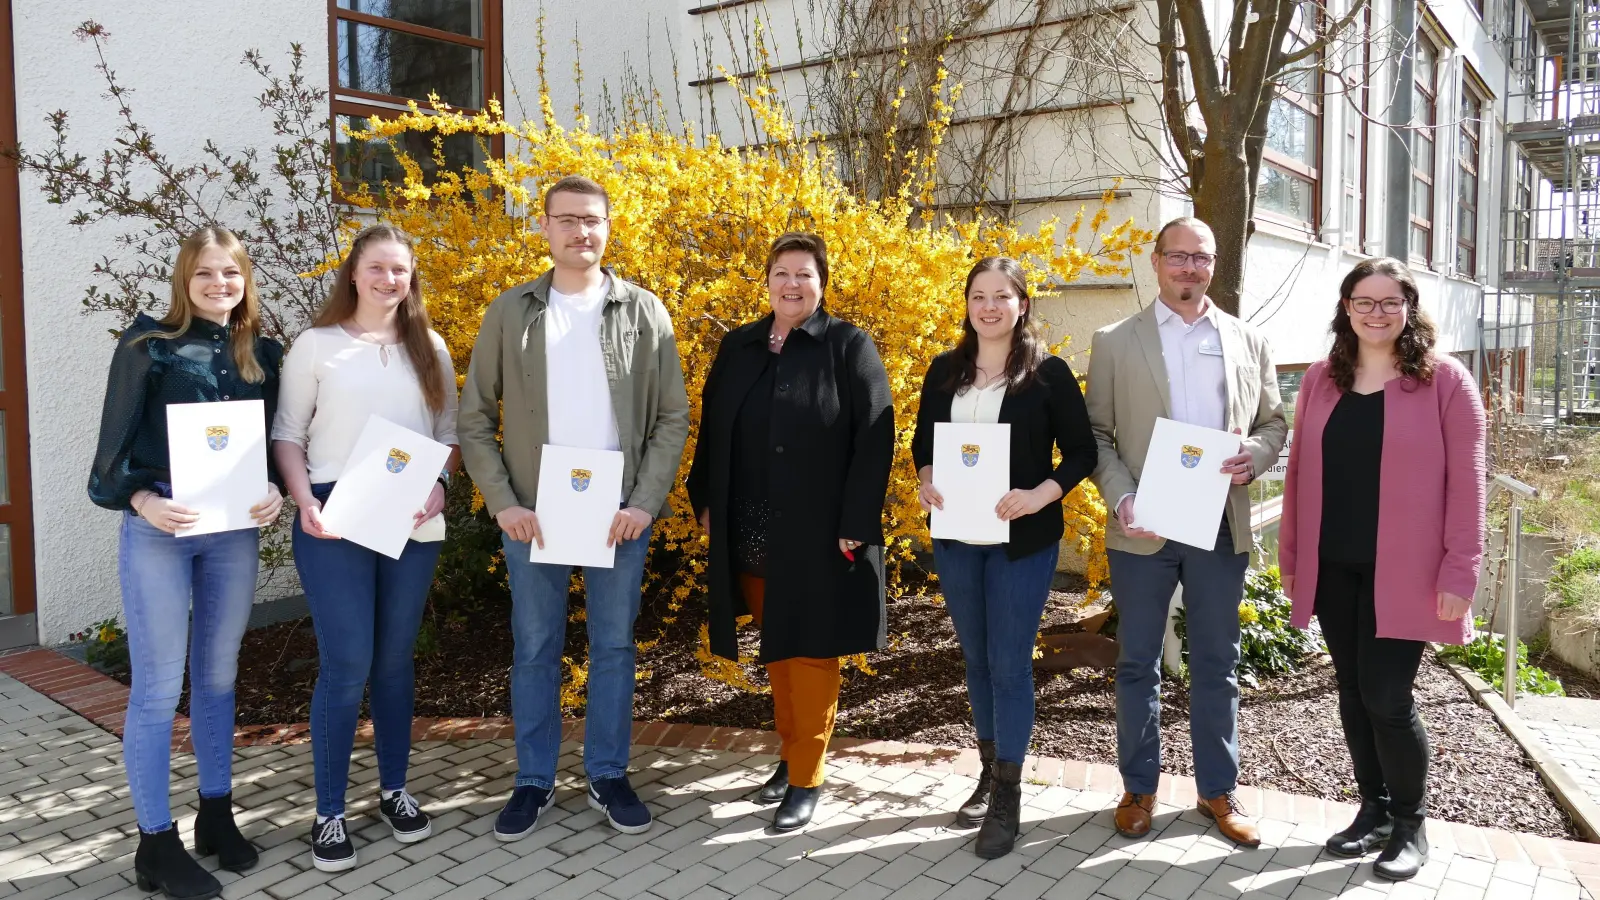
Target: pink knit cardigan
(1430,500)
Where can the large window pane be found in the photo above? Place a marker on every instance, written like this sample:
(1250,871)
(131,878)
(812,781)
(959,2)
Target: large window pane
(1466,260)
(1292,132)
(1284,193)
(373,162)
(1421,199)
(1421,241)
(459,16)
(384,61)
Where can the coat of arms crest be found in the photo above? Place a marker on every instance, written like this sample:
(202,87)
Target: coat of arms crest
(217,437)
(580,479)
(969,454)
(397,460)
(1191,456)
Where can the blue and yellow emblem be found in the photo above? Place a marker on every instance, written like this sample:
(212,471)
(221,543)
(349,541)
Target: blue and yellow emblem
(1191,456)
(397,460)
(969,454)
(580,479)
(217,437)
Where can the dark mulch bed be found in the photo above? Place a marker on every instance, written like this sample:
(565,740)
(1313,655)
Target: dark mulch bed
(1290,737)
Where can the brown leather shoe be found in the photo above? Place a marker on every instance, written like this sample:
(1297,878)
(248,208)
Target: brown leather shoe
(1133,814)
(1231,819)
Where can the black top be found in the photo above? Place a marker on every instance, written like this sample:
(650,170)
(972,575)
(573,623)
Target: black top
(146,375)
(831,445)
(1352,450)
(1047,414)
(748,511)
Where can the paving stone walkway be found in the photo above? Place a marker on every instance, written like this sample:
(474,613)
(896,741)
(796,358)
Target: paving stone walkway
(67,833)
(1569,728)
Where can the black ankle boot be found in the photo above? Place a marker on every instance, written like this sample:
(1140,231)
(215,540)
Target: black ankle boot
(1371,828)
(215,832)
(971,813)
(796,809)
(999,832)
(776,786)
(161,862)
(1407,851)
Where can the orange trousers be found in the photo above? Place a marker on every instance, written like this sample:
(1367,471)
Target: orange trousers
(805,699)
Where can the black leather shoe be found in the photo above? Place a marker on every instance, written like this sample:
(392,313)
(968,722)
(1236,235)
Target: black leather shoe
(162,863)
(796,809)
(215,832)
(972,812)
(1371,828)
(999,832)
(776,786)
(1406,852)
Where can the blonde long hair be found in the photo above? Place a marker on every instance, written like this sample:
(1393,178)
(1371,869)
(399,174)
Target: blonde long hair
(244,321)
(411,319)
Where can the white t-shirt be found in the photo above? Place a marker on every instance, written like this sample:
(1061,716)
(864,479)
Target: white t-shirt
(332,383)
(577,392)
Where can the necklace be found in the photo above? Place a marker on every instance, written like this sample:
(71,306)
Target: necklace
(776,340)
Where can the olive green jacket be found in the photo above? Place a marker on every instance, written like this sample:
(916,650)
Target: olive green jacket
(506,391)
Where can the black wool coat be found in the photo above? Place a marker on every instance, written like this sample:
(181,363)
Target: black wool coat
(831,448)
(1047,415)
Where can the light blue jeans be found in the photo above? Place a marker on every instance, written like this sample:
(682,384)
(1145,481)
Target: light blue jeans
(161,574)
(539,625)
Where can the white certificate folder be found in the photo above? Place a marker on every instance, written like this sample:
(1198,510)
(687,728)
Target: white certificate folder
(385,483)
(218,454)
(972,470)
(1182,489)
(578,491)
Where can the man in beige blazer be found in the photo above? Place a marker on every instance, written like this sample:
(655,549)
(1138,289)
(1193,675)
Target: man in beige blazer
(1180,358)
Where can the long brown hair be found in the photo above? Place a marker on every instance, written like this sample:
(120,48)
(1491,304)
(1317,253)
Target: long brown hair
(1027,351)
(244,320)
(411,319)
(1413,349)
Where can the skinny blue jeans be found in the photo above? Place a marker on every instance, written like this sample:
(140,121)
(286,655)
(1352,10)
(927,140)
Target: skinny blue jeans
(366,609)
(164,578)
(996,604)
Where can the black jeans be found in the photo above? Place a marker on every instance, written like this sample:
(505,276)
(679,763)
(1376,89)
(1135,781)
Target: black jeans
(1387,741)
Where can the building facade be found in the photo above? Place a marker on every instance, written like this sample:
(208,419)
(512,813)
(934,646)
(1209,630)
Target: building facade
(1068,135)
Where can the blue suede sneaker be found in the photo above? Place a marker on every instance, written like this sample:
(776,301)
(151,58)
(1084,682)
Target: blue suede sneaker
(521,812)
(623,808)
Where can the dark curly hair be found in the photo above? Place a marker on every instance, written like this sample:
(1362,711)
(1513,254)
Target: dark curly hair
(1413,350)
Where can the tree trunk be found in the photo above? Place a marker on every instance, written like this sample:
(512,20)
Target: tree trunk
(1223,199)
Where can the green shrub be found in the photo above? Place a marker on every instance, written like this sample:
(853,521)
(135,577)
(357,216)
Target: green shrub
(105,646)
(1575,580)
(1268,644)
(1485,655)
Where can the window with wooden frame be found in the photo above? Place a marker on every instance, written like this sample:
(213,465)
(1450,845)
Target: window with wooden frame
(1521,216)
(1424,116)
(1353,214)
(1286,188)
(384,53)
(1468,159)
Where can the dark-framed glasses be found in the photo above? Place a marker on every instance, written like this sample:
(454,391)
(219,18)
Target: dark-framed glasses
(1178,259)
(1390,305)
(573,223)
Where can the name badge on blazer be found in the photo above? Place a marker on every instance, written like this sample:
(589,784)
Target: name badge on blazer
(1207,348)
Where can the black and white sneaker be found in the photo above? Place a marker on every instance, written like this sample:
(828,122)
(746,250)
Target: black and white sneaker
(331,850)
(405,817)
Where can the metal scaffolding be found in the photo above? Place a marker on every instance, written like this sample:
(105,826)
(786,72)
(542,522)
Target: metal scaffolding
(1540,329)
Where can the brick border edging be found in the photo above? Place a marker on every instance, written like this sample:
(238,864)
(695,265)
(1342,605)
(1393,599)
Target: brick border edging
(103,701)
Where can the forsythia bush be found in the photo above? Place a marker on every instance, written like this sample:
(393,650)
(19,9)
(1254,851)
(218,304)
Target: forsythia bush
(691,221)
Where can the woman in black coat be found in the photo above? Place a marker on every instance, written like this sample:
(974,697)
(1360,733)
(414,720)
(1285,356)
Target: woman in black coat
(789,477)
(1002,373)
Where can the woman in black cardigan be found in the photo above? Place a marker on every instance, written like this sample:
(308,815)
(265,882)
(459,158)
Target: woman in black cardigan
(1001,372)
(789,477)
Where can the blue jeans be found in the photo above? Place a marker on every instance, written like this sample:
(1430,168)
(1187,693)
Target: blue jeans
(1142,587)
(160,575)
(996,604)
(539,625)
(366,609)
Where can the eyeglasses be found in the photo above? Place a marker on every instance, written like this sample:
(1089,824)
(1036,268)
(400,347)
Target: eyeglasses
(1390,305)
(573,223)
(1178,259)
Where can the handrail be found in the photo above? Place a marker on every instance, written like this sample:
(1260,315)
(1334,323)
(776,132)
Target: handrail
(1520,491)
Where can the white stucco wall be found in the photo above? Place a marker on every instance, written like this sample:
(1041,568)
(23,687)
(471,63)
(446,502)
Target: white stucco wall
(189,87)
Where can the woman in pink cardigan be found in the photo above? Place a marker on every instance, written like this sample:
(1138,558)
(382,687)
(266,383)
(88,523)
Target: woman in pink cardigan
(1382,528)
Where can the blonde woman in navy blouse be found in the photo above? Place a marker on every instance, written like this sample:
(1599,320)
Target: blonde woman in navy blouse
(207,348)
